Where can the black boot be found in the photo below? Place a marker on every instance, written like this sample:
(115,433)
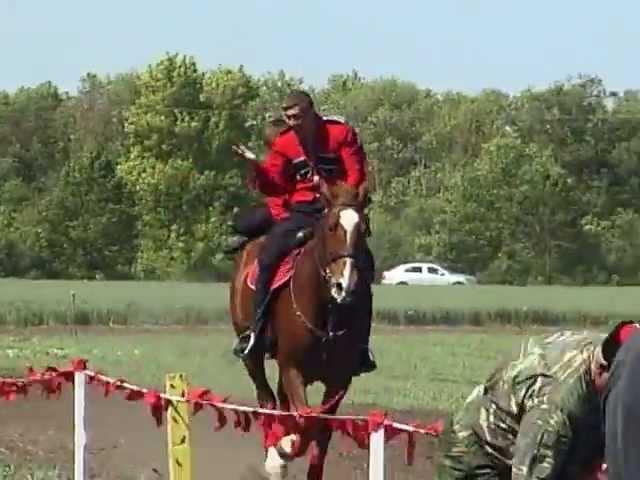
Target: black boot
(248,339)
(235,244)
(367,363)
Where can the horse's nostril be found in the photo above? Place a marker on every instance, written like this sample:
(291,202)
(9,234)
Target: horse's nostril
(338,286)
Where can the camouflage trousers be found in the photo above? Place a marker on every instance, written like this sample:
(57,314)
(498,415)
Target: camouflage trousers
(465,458)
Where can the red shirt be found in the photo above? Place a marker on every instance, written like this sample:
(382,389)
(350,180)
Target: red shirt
(339,155)
(275,199)
(277,206)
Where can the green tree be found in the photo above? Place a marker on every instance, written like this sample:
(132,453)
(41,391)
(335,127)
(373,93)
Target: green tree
(178,130)
(89,226)
(505,212)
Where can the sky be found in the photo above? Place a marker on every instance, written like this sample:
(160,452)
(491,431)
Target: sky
(444,45)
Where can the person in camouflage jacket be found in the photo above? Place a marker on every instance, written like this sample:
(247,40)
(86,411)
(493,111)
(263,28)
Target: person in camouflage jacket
(537,417)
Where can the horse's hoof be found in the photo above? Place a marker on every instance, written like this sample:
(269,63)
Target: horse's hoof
(287,446)
(275,466)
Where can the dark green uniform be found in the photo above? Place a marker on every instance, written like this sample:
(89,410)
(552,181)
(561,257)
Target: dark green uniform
(538,417)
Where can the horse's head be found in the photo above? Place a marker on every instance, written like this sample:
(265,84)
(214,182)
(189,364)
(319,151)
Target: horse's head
(340,236)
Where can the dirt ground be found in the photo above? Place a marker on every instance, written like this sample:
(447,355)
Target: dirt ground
(124,443)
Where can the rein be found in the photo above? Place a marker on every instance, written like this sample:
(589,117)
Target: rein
(326,276)
(323,335)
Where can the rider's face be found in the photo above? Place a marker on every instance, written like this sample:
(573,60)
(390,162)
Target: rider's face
(298,117)
(600,376)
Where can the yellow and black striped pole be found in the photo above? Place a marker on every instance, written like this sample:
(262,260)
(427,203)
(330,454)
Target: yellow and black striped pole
(178,429)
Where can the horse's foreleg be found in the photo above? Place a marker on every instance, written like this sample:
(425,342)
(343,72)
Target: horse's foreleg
(316,465)
(293,384)
(292,394)
(294,389)
(334,397)
(255,367)
(275,465)
(283,398)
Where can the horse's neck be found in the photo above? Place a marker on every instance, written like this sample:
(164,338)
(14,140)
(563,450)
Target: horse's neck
(310,260)
(308,273)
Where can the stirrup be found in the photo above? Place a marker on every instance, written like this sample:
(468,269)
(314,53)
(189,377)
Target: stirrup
(367,363)
(370,354)
(247,349)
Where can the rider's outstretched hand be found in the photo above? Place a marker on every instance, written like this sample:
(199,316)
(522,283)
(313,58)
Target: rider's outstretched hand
(247,155)
(243,152)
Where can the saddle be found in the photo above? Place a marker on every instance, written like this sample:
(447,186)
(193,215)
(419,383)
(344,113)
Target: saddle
(283,273)
(286,267)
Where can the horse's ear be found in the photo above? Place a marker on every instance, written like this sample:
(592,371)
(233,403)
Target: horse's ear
(339,193)
(325,192)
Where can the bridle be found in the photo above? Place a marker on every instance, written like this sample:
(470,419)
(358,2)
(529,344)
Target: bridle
(323,270)
(334,256)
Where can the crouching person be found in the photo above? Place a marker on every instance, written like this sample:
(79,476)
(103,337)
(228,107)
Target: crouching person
(537,417)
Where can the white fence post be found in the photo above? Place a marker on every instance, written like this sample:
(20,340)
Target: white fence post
(376,454)
(80,434)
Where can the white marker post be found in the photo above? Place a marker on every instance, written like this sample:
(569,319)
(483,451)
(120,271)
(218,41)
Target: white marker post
(376,454)
(80,434)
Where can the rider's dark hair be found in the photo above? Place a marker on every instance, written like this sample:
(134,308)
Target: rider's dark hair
(297,98)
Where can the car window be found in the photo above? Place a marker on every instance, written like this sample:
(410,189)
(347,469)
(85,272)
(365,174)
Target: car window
(433,270)
(413,269)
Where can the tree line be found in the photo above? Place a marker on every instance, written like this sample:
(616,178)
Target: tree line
(132,176)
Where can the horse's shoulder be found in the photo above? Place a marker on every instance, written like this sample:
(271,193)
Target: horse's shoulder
(307,249)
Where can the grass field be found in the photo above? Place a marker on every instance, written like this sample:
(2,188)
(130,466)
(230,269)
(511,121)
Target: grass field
(11,471)
(427,368)
(419,368)
(25,302)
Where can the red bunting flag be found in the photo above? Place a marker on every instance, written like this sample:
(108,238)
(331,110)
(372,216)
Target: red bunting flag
(274,424)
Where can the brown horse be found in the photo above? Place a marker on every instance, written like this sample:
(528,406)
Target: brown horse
(321,298)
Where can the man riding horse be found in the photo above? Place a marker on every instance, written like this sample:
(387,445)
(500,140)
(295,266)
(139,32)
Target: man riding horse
(312,147)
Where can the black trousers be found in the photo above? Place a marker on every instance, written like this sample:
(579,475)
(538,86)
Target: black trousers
(254,222)
(280,241)
(621,404)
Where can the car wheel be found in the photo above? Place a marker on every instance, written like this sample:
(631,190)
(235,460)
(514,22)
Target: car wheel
(402,283)
(458,283)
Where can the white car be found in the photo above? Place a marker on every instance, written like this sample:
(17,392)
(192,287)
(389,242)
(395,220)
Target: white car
(424,274)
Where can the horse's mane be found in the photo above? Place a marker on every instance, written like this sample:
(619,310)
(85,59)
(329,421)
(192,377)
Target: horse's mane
(341,194)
